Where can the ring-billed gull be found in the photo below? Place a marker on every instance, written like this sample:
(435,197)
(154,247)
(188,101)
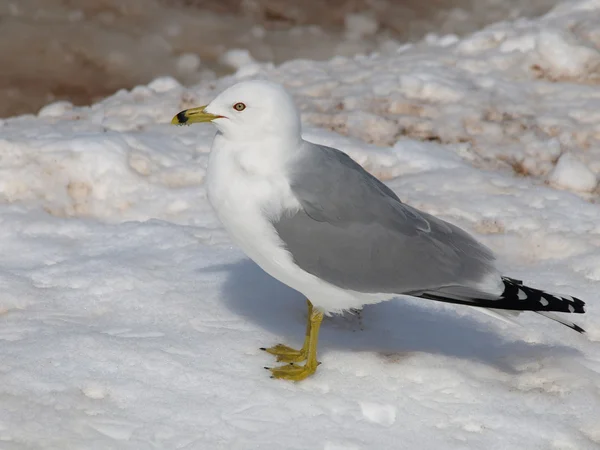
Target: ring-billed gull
(314,219)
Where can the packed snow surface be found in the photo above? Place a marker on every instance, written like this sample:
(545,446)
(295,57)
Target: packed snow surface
(129,321)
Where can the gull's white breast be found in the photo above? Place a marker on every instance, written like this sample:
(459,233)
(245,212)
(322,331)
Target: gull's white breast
(245,196)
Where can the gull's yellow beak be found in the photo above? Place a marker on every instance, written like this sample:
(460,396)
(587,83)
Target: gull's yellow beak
(193,115)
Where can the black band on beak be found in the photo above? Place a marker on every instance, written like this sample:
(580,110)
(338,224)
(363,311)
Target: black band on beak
(181,117)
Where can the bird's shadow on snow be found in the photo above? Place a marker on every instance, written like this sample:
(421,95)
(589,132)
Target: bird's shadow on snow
(397,327)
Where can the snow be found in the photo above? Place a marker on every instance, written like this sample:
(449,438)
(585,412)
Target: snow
(128,320)
(360,25)
(570,173)
(188,63)
(113,44)
(237,58)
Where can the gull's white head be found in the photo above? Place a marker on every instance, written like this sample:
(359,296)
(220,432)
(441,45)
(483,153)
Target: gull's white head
(250,110)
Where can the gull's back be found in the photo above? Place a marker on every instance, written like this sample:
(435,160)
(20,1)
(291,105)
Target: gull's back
(355,233)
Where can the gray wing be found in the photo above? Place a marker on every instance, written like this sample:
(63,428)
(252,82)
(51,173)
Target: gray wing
(355,233)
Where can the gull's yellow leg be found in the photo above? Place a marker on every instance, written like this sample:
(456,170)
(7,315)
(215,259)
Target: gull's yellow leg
(288,354)
(294,372)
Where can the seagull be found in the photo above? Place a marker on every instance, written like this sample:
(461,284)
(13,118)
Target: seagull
(315,220)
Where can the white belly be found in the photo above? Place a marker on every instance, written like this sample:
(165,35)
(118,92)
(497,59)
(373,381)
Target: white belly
(243,201)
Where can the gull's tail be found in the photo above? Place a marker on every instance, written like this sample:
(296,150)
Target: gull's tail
(518,297)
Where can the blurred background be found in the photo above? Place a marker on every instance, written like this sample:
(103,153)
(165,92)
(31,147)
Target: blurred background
(83,50)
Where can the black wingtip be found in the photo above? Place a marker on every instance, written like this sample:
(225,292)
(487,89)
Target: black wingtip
(519,297)
(575,327)
(513,280)
(528,298)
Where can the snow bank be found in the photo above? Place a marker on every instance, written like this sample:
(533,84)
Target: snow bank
(110,44)
(514,95)
(128,321)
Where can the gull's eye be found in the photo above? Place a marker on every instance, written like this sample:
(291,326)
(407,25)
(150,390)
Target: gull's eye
(239,107)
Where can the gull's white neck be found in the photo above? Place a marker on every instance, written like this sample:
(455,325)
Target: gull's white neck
(246,180)
(267,157)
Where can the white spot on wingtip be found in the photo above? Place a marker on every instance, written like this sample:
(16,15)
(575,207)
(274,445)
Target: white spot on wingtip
(544,302)
(571,309)
(522,295)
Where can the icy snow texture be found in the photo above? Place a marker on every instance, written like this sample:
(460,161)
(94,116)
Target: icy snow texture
(570,173)
(110,44)
(512,95)
(129,321)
